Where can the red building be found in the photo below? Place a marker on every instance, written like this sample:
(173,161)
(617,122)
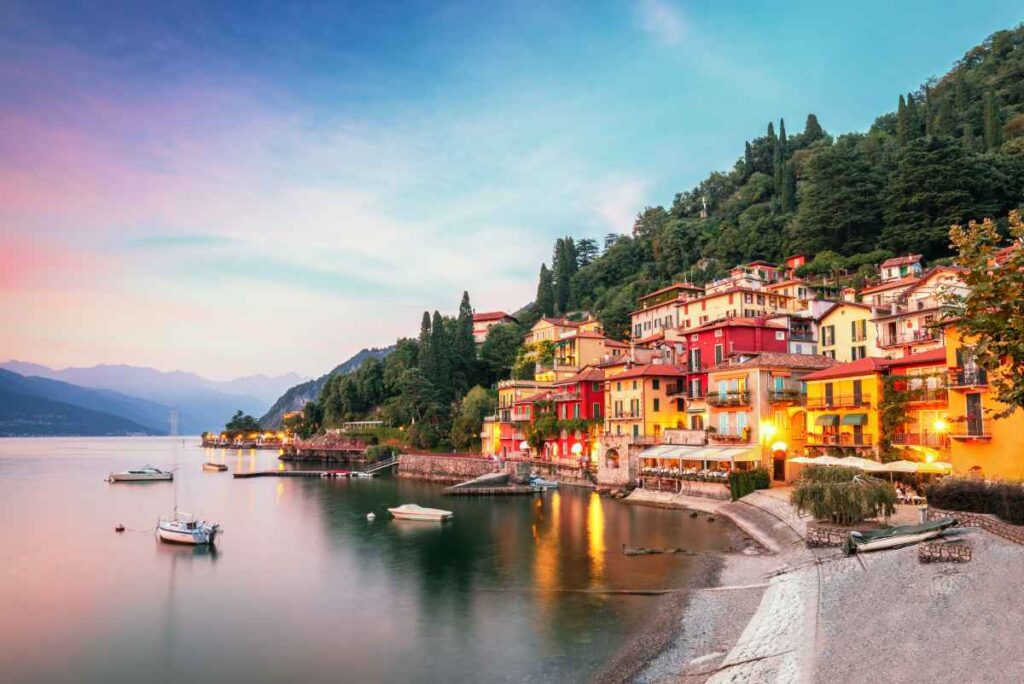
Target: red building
(709,345)
(577,398)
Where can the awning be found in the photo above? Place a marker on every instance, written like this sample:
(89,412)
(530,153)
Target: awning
(827,419)
(701,453)
(855,419)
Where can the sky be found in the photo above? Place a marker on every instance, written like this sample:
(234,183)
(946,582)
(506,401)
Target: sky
(264,187)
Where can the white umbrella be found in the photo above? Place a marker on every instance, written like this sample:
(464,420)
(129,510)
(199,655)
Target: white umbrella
(899,467)
(860,463)
(801,459)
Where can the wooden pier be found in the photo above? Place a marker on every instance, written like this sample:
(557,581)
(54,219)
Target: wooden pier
(372,471)
(491,491)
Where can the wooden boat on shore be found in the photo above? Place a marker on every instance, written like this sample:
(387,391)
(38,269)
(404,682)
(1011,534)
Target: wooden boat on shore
(216,467)
(417,512)
(897,536)
(144,474)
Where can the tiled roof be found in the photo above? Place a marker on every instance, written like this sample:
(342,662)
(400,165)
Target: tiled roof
(740,321)
(491,316)
(930,357)
(864,366)
(781,360)
(902,260)
(609,342)
(588,374)
(540,396)
(906,280)
(651,370)
(674,286)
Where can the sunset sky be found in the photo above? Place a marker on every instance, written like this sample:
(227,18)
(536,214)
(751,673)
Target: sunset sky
(233,188)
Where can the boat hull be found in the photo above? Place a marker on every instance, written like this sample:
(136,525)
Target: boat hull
(196,537)
(141,477)
(895,542)
(215,467)
(421,514)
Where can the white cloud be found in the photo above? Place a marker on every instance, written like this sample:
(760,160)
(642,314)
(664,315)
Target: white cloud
(663,20)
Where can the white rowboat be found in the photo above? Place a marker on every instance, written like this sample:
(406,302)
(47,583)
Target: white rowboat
(144,474)
(417,512)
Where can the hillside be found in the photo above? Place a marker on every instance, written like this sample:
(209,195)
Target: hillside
(28,408)
(951,151)
(202,404)
(295,398)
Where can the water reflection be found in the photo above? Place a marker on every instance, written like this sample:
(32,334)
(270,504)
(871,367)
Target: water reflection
(595,537)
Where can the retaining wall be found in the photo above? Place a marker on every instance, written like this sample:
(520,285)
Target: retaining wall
(989,523)
(449,468)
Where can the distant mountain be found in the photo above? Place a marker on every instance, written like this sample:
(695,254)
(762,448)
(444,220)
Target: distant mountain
(30,407)
(296,397)
(202,404)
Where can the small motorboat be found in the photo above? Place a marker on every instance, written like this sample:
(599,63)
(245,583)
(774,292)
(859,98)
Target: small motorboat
(540,483)
(182,529)
(216,467)
(894,537)
(417,512)
(144,474)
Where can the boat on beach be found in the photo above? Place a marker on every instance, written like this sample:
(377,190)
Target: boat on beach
(417,512)
(182,529)
(894,537)
(144,474)
(216,467)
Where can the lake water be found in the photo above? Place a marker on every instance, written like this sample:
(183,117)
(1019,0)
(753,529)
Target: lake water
(301,586)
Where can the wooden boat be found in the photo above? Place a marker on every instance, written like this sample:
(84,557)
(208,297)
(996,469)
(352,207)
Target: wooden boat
(417,512)
(217,467)
(896,536)
(181,529)
(144,474)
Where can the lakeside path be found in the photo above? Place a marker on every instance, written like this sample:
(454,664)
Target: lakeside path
(815,615)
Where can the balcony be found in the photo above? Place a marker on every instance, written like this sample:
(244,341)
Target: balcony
(565,396)
(625,415)
(730,436)
(910,337)
(842,439)
(968,377)
(801,336)
(929,439)
(787,396)
(675,391)
(970,429)
(741,398)
(839,401)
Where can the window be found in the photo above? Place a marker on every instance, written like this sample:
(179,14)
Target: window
(741,422)
(618,387)
(636,430)
(656,384)
(760,299)
(723,389)
(828,335)
(718,332)
(679,405)
(780,334)
(634,384)
(858,353)
(723,423)
(695,392)
(595,411)
(718,354)
(748,298)
(657,404)
(595,386)
(780,383)
(575,410)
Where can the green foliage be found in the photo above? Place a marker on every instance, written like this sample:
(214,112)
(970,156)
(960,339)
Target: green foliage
(843,495)
(242,422)
(991,318)
(498,352)
(545,300)
(743,482)
(892,414)
(543,427)
(476,405)
(380,452)
(1003,499)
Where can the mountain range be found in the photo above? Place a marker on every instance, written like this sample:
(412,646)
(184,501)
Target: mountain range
(296,397)
(146,396)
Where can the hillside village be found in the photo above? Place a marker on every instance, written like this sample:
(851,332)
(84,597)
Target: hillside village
(755,369)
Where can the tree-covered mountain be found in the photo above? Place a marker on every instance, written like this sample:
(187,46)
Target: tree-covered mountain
(38,407)
(952,151)
(296,397)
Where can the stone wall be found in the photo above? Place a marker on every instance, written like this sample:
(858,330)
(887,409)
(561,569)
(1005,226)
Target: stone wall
(448,468)
(943,552)
(989,523)
(818,536)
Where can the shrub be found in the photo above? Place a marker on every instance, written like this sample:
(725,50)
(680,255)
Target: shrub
(743,482)
(843,495)
(1004,500)
(380,452)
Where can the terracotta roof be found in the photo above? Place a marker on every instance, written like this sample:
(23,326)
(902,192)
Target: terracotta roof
(791,281)
(932,271)
(864,366)
(762,263)
(669,288)
(906,280)
(738,321)
(565,322)
(591,335)
(491,316)
(651,370)
(781,360)
(651,338)
(609,342)
(930,357)
(836,305)
(902,260)
(731,290)
(540,396)
(588,374)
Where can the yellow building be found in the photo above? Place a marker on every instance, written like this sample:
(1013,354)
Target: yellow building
(643,401)
(732,302)
(921,379)
(842,406)
(846,333)
(979,443)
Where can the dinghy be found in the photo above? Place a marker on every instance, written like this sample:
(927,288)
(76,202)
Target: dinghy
(894,537)
(417,512)
(216,467)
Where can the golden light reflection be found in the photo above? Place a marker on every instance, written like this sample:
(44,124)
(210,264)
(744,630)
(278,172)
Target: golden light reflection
(545,560)
(280,465)
(280,493)
(595,536)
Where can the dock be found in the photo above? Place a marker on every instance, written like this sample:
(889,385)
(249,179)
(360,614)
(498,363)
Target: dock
(491,491)
(372,471)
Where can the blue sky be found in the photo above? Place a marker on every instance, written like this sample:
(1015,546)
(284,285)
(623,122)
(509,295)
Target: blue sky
(337,168)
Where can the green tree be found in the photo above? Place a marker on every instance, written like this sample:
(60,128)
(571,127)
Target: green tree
(545,299)
(499,349)
(475,406)
(586,251)
(463,349)
(440,350)
(426,360)
(991,317)
(993,123)
(242,422)
(812,130)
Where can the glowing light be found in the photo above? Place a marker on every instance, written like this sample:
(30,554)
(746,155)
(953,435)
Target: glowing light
(779,446)
(769,430)
(577,449)
(595,535)
(524,445)
(929,458)
(940,425)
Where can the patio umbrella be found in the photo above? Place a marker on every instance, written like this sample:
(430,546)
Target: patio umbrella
(899,467)
(801,459)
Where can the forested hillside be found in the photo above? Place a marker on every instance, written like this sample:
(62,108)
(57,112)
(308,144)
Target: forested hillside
(951,151)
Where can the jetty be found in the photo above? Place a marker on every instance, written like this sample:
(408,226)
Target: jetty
(372,471)
(490,484)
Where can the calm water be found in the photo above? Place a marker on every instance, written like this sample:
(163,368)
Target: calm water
(301,586)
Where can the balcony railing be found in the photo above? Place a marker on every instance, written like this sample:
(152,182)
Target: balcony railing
(675,390)
(741,398)
(625,415)
(565,396)
(968,377)
(799,336)
(733,435)
(840,439)
(911,337)
(930,439)
(839,401)
(972,428)
(794,396)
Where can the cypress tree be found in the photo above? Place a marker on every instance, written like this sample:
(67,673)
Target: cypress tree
(993,123)
(464,348)
(913,117)
(812,130)
(902,123)
(441,350)
(788,187)
(545,292)
(562,267)
(748,159)
(779,160)
(968,138)
(426,353)
(926,111)
(961,97)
